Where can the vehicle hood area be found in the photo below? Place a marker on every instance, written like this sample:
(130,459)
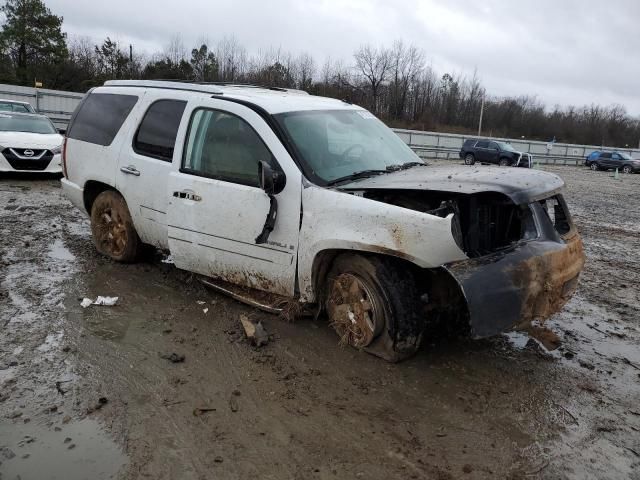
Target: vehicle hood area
(30,140)
(520,185)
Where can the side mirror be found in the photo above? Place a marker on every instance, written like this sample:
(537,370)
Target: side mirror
(272,182)
(62,131)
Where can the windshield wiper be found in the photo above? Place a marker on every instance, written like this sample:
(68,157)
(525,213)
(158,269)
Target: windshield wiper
(406,166)
(356,175)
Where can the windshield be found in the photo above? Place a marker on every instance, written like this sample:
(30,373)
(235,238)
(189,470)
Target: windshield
(506,147)
(337,143)
(626,156)
(26,124)
(13,107)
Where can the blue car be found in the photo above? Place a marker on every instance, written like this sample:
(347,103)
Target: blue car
(591,157)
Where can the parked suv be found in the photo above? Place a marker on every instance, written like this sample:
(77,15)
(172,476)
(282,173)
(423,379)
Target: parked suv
(316,200)
(490,151)
(615,160)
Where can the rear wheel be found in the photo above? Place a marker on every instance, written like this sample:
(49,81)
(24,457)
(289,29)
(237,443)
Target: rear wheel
(469,159)
(504,162)
(373,305)
(594,166)
(627,169)
(112,228)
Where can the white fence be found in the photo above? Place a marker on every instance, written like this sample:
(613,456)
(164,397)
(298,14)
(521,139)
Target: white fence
(448,145)
(55,104)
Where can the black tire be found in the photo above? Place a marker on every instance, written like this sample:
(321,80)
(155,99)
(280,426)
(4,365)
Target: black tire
(469,159)
(594,166)
(627,169)
(504,162)
(112,228)
(373,304)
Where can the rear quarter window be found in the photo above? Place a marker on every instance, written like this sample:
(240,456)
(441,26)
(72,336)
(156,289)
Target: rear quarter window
(100,116)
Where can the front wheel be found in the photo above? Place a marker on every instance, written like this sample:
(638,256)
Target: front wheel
(594,166)
(504,162)
(373,305)
(627,169)
(469,159)
(112,228)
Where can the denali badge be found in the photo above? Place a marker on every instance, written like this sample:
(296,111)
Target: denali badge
(28,153)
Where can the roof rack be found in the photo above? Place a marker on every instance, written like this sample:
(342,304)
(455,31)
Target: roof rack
(203,87)
(166,84)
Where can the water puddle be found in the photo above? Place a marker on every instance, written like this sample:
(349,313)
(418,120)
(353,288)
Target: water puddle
(79,450)
(59,252)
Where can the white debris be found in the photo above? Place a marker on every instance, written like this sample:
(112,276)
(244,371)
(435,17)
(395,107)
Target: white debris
(100,300)
(200,302)
(205,310)
(167,259)
(352,317)
(517,339)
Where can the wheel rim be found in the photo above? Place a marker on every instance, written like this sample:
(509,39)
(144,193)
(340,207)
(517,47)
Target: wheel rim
(353,311)
(503,163)
(468,160)
(594,166)
(111,233)
(626,170)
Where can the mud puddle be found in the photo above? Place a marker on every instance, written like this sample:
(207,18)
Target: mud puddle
(76,451)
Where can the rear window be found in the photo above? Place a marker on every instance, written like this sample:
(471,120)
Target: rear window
(100,116)
(482,144)
(156,136)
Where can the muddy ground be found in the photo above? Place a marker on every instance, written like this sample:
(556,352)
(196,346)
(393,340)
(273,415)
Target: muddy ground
(85,393)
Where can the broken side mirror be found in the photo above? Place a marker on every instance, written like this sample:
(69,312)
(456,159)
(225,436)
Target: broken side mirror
(271,181)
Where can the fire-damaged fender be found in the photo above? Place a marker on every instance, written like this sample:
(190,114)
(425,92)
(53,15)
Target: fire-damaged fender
(530,281)
(334,220)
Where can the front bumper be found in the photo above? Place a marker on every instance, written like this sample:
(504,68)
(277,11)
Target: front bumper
(529,281)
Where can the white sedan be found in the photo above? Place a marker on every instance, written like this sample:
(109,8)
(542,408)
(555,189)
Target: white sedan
(29,143)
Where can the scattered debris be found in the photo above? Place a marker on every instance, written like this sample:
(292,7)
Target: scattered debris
(100,300)
(205,310)
(173,357)
(218,459)
(254,331)
(587,365)
(233,404)
(200,410)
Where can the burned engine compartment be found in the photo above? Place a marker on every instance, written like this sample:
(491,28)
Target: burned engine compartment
(483,223)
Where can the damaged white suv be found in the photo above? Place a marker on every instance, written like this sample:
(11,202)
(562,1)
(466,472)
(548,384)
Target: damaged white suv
(315,199)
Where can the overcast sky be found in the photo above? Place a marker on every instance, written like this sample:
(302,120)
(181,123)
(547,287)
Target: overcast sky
(564,51)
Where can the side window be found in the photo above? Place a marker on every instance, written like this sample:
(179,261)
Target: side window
(156,135)
(493,145)
(100,116)
(223,146)
(605,155)
(615,156)
(482,144)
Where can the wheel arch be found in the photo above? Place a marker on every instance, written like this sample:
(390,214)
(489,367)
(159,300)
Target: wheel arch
(93,188)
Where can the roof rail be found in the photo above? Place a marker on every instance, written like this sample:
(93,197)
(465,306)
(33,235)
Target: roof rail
(166,84)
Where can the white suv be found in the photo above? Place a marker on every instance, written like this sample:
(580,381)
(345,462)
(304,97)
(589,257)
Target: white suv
(317,200)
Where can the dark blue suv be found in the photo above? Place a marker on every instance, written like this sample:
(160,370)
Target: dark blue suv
(612,161)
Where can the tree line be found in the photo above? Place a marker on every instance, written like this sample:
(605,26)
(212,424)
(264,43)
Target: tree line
(395,82)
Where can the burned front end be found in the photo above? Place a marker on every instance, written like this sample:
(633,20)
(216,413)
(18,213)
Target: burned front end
(524,254)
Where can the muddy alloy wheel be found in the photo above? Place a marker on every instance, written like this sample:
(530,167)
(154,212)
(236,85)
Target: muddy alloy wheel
(112,228)
(594,166)
(504,162)
(373,303)
(626,169)
(354,310)
(469,159)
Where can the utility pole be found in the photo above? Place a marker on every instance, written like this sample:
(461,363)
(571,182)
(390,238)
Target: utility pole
(481,113)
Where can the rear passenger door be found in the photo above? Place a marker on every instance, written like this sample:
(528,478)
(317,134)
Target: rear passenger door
(144,166)
(604,161)
(616,160)
(217,209)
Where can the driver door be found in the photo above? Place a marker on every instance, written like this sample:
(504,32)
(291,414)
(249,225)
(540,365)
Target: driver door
(217,210)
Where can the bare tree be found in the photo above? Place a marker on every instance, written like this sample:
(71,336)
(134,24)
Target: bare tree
(374,64)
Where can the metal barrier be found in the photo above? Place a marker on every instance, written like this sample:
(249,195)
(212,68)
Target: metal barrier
(57,105)
(446,146)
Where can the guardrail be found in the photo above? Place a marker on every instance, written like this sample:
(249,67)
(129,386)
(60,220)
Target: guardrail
(444,153)
(446,146)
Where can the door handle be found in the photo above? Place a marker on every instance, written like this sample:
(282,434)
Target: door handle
(130,170)
(187,195)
